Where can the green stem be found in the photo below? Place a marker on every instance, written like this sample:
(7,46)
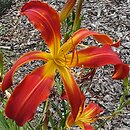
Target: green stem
(77,16)
(46,120)
(43,114)
(122,103)
(113,115)
(65,128)
(101,124)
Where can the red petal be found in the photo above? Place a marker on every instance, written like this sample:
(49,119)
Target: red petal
(93,57)
(73,92)
(97,56)
(46,20)
(121,71)
(81,34)
(87,127)
(117,44)
(64,96)
(93,110)
(70,121)
(35,55)
(34,89)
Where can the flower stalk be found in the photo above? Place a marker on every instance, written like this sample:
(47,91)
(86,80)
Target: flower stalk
(77,20)
(67,9)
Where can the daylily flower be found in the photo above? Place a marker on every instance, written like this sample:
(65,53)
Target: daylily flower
(36,86)
(85,116)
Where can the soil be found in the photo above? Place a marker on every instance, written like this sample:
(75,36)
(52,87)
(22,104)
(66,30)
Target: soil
(111,17)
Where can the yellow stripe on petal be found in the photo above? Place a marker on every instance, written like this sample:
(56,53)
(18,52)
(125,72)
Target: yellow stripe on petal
(34,55)
(90,113)
(93,57)
(81,34)
(46,20)
(73,92)
(49,67)
(29,93)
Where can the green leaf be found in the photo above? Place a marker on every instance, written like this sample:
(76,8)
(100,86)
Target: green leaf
(128,102)
(62,123)
(57,109)
(125,92)
(125,82)
(122,99)
(11,124)
(21,128)
(73,15)
(52,123)
(3,122)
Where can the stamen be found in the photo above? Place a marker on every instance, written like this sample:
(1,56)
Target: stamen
(75,73)
(82,71)
(82,45)
(74,51)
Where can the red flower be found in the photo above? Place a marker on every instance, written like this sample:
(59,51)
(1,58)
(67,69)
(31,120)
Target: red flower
(36,86)
(86,115)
